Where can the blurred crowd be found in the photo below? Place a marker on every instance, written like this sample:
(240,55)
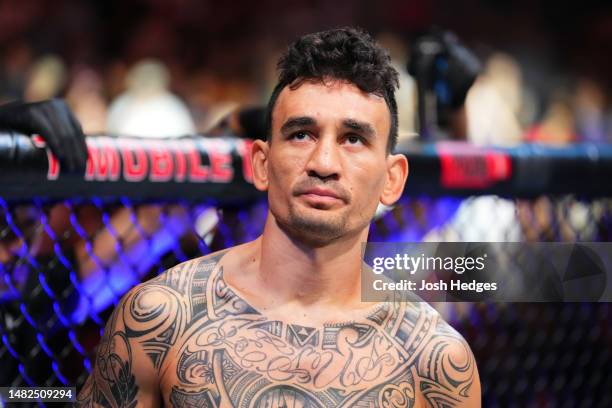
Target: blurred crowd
(145,99)
(152,85)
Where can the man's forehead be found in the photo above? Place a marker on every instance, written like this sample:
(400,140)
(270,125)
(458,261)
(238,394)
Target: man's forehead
(331,100)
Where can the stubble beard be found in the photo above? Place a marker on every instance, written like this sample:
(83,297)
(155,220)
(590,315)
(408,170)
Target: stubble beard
(310,229)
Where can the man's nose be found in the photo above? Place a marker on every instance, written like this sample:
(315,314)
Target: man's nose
(324,160)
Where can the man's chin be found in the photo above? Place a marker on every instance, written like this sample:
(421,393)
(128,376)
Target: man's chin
(316,231)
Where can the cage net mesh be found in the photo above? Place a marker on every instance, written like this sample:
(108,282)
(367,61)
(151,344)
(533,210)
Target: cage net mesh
(65,264)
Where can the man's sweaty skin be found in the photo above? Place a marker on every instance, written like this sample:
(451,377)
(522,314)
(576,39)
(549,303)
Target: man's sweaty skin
(279,322)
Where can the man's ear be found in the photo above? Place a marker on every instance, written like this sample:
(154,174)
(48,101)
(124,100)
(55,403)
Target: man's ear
(397,173)
(259,159)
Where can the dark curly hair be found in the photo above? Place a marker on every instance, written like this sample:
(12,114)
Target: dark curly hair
(343,53)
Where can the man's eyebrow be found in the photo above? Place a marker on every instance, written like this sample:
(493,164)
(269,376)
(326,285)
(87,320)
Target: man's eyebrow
(362,127)
(297,122)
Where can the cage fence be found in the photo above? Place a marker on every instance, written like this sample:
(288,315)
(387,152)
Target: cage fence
(67,257)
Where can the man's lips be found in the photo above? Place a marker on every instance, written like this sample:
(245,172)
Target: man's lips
(321,192)
(321,196)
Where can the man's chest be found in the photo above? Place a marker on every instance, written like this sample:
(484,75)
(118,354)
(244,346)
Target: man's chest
(254,362)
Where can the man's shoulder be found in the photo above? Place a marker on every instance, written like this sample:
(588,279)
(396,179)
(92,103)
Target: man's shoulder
(425,324)
(157,312)
(168,293)
(441,327)
(182,277)
(443,360)
(418,314)
(414,320)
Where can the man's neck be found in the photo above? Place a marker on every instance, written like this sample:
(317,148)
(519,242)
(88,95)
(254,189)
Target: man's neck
(286,273)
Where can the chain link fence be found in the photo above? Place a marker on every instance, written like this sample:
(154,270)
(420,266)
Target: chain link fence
(65,263)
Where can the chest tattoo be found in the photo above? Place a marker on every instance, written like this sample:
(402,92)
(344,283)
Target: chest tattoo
(215,350)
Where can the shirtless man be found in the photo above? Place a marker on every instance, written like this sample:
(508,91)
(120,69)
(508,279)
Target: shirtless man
(279,322)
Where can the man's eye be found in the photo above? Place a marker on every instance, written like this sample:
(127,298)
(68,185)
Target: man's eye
(299,136)
(353,139)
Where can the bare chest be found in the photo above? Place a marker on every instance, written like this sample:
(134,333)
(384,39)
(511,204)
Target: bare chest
(254,362)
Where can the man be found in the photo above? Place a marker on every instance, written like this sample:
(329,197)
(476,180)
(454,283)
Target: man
(278,322)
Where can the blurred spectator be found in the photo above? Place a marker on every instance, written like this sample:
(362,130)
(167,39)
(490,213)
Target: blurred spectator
(14,69)
(46,79)
(589,106)
(406,95)
(85,96)
(147,108)
(557,126)
(494,102)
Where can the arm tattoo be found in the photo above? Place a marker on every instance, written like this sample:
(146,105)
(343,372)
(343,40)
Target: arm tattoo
(211,349)
(447,376)
(112,384)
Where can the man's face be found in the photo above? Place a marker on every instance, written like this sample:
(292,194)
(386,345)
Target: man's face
(327,159)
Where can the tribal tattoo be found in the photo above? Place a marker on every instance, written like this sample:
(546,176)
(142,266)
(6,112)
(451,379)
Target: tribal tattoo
(113,382)
(209,348)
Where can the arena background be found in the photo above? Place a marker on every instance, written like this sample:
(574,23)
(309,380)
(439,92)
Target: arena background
(70,248)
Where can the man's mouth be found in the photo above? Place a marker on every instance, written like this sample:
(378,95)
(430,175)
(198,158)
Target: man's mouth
(321,196)
(321,192)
